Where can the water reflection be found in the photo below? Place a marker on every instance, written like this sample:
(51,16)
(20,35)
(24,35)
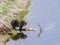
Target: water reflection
(19,36)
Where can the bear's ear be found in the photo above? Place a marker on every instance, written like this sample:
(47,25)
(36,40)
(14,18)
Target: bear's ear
(15,23)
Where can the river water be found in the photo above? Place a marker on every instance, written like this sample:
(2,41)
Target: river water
(47,14)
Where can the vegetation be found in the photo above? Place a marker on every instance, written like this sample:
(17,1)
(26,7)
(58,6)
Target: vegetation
(8,10)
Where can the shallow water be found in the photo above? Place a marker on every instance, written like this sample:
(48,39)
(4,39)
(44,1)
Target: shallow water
(47,13)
